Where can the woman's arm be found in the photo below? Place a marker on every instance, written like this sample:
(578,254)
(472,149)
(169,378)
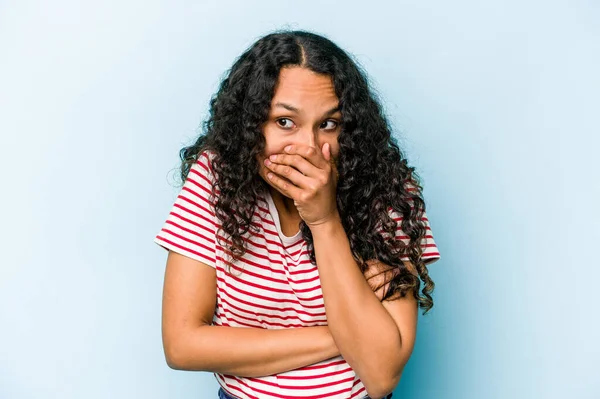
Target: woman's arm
(251,352)
(191,343)
(375,338)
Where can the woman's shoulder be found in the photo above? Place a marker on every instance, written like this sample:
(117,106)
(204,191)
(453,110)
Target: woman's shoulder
(206,156)
(203,165)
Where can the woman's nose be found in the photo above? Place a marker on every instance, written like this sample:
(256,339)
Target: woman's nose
(308,137)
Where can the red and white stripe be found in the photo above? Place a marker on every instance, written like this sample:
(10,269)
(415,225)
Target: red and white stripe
(273,286)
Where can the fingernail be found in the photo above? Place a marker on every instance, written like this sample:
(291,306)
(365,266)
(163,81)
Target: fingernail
(288,148)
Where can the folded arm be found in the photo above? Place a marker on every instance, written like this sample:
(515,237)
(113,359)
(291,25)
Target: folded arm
(192,343)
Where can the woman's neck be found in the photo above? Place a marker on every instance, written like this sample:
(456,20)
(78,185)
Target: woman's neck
(285,205)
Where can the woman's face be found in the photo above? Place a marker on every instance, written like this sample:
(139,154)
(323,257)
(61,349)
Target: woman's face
(304,111)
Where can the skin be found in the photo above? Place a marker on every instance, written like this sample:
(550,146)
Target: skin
(302,180)
(304,174)
(303,113)
(189,293)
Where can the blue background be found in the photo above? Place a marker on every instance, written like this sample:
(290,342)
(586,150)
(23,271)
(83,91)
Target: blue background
(496,104)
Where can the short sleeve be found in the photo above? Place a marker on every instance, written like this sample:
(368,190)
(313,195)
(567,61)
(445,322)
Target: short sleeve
(431,252)
(190,228)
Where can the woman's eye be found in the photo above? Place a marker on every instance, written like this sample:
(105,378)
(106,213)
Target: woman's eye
(285,123)
(329,125)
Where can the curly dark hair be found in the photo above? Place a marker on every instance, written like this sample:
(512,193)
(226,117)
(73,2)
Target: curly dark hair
(374,176)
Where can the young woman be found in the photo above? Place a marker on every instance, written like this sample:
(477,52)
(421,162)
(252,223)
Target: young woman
(299,240)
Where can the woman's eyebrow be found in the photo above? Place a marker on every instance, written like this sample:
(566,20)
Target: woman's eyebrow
(288,107)
(296,110)
(332,111)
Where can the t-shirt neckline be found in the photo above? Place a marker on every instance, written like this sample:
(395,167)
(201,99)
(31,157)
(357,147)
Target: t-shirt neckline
(288,240)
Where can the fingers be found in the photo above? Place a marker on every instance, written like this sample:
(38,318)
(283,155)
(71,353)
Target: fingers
(326,152)
(300,168)
(284,185)
(297,162)
(312,154)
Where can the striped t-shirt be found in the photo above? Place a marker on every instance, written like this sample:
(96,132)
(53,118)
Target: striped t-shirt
(273,286)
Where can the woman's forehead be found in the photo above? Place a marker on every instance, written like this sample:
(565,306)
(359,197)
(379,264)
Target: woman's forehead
(301,88)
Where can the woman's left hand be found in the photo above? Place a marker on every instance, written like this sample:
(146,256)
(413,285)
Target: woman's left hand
(313,177)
